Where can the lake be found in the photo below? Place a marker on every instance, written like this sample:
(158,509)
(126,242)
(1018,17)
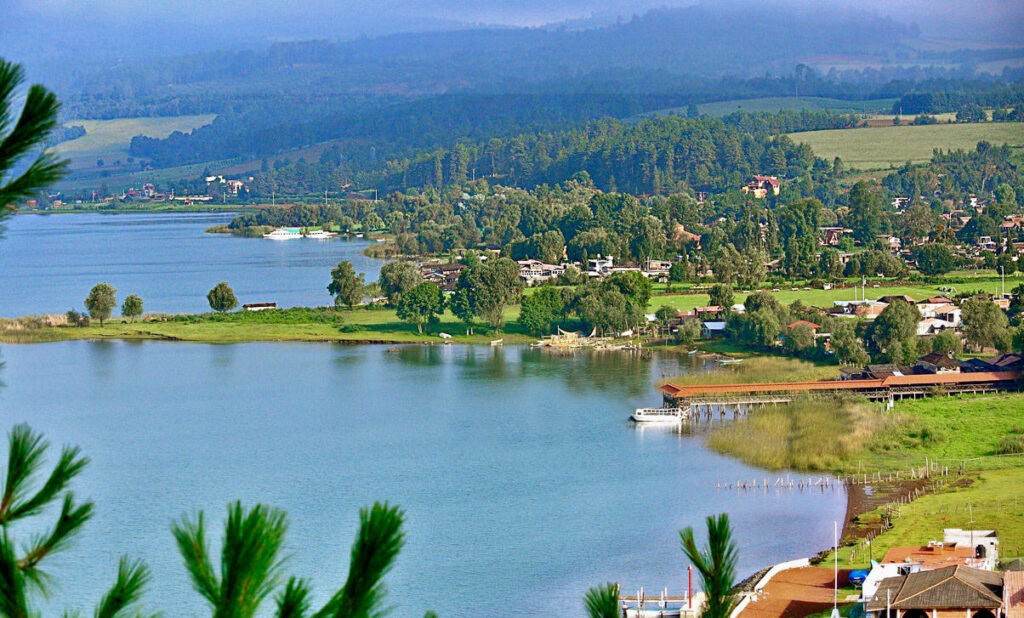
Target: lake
(50,262)
(522,479)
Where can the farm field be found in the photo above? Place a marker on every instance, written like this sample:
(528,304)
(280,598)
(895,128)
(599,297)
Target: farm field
(825,298)
(887,147)
(109,139)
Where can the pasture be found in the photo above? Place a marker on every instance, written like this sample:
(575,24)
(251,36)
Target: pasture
(777,104)
(891,146)
(109,139)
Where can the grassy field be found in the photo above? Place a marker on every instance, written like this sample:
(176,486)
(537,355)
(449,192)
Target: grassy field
(959,433)
(359,326)
(825,298)
(109,139)
(756,369)
(777,104)
(885,147)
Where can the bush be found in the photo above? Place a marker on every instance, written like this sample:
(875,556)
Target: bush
(1010,445)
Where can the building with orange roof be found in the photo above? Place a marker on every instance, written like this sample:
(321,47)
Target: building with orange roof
(934,555)
(1013,594)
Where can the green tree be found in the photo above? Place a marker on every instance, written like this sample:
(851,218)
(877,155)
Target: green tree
(762,328)
(935,259)
(101,301)
(721,295)
(848,348)
(677,272)
(689,331)
(421,305)
(762,299)
(222,297)
(865,215)
(23,499)
(346,286)
(251,564)
(132,306)
(947,341)
(398,277)
(462,306)
(37,119)
(799,339)
(716,564)
(541,310)
(633,285)
(798,227)
(983,322)
(897,323)
(602,601)
(1006,195)
(490,287)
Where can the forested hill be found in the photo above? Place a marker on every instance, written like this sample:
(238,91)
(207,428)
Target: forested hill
(656,155)
(704,40)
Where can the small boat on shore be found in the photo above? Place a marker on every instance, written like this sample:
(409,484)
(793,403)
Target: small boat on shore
(659,415)
(496,342)
(283,233)
(320,235)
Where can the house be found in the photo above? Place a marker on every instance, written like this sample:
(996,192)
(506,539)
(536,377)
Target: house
(708,311)
(954,591)
(656,268)
(985,243)
(899,203)
(711,329)
(831,236)
(1012,222)
(1007,362)
(932,326)
(258,306)
(760,186)
(814,327)
(894,297)
(679,234)
(984,542)
(600,266)
(1013,594)
(445,276)
(892,242)
(939,363)
(535,271)
(869,310)
(950,313)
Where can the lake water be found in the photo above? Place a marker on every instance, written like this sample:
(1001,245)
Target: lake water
(50,262)
(523,481)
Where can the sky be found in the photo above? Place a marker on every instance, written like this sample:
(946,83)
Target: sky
(56,33)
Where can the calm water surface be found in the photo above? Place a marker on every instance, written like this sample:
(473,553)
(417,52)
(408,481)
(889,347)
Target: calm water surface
(523,482)
(48,263)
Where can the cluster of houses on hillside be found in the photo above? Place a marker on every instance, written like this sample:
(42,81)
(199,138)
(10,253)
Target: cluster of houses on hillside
(533,272)
(954,577)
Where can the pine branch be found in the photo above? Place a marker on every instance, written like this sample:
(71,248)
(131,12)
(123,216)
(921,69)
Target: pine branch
(71,519)
(132,578)
(68,467)
(250,558)
(38,117)
(13,599)
(191,539)
(294,601)
(11,76)
(602,601)
(378,542)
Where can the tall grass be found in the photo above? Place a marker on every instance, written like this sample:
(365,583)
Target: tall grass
(758,369)
(809,434)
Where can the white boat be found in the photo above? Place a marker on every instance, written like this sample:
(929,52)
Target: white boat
(283,233)
(497,342)
(320,234)
(659,415)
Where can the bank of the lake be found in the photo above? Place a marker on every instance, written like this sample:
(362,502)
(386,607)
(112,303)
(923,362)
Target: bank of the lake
(523,480)
(50,262)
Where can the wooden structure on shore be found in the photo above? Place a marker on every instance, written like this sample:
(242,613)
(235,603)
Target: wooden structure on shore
(890,388)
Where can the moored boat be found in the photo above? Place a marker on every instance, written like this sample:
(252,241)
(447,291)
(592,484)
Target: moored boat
(283,233)
(320,234)
(659,415)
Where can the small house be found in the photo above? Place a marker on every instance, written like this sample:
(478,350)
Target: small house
(939,363)
(954,591)
(761,186)
(259,306)
(711,329)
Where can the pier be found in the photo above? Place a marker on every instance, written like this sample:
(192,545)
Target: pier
(704,399)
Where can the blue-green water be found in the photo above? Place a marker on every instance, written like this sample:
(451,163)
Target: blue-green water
(523,482)
(49,262)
